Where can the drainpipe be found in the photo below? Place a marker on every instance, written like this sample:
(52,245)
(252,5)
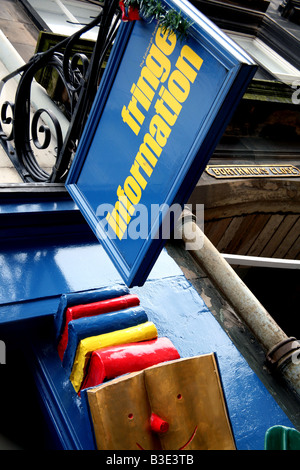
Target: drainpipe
(281,352)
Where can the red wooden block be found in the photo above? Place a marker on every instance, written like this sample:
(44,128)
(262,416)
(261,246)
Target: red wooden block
(95,308)
(111,362)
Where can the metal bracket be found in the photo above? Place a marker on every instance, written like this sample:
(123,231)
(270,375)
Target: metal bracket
(282,352)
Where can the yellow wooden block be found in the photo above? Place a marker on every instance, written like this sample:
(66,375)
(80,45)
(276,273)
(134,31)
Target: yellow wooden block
(143,332)
(186,394)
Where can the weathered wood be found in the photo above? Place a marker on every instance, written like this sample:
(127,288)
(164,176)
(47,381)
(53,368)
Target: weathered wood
(264,236)
(288,241)
(279,235)
(247,233)
(229,234)
(215,231)
(294,251)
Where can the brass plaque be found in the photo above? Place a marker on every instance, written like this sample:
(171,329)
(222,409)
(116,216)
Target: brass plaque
(186,394)
(252,171)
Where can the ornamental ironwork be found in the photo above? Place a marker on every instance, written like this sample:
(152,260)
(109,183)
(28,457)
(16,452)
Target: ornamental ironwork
(27,130)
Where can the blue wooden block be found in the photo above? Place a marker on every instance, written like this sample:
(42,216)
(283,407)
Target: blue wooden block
(97,325)
(77,298)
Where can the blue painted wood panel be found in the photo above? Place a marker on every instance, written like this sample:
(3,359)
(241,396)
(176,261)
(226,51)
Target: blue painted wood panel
(160,110)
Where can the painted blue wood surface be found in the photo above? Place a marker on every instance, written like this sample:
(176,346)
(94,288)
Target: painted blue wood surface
(35,273)
(180,314)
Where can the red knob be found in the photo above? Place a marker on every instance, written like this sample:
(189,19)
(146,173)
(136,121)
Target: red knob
(157,424)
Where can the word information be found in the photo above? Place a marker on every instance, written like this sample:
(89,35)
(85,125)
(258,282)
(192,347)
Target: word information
(168,105)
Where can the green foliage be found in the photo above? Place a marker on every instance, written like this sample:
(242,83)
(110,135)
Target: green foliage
(168,19)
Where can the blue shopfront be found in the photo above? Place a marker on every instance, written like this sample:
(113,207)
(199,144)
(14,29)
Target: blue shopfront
(151,137)
(38,270)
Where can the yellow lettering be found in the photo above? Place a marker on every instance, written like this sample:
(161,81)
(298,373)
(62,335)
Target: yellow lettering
(121,211)
(148,83)
(135,171)
(114,226)
(142,162)
(188,59)
(117,216)
(128,119)
(148,147)
(133,108)
(170,100)
(145,151)
(132,190)
(139,95)
(166,41)
(179,86)
(158,125)
(168,107)
(161,109)
(124,200)
(158,63)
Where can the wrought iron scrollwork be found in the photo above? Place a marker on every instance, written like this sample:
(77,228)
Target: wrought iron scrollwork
(25,131)
(6,119)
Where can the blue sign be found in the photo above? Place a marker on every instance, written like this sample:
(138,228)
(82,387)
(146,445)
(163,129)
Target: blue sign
(161,108)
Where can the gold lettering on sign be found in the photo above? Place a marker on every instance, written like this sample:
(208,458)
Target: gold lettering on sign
(252,171)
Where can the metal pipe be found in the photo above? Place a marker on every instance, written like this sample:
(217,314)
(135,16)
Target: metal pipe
(245,304)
